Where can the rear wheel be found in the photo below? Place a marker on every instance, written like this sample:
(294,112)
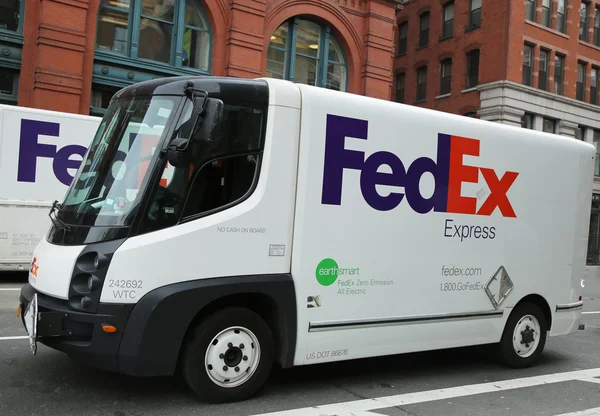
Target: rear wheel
(524,336)
(228,356)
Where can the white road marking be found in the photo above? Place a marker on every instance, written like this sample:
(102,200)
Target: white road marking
(354,407)
(9,289)
(591,380)
(589,412)
(591,313)
(13,338)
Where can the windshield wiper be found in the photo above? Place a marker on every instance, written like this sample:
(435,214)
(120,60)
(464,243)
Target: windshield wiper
(58,223)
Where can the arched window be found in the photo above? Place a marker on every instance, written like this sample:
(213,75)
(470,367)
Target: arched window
(137,40)
(307,52)
(11,45)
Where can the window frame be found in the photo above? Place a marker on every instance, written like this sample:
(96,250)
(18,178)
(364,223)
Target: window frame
(561,18)
(475,14)
(421,87)
(596,35)
(448,24)
(323,53)
(584,21)
(446,81)
(547,13)
(594,75)
(527,70)
(402,41)
(424,33)
(544,75)
(130,58)
(581,80)
(469,75)
(530,10)
(400,76)
(12,41)
(559,85)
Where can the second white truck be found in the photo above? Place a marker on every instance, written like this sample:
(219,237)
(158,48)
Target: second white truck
(40,152)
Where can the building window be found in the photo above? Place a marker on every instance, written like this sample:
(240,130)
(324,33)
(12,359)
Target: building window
(527,121)
(580,93)
(546,12)
(172,33)
(473,68)
(402,38)
(597,144)
(400,85)
(580,133)
(10,15)
(528,65)
(470,115)
(597,26)
(446,77)
(306,52)
(424,30)
(543,72)
(549,125)
(448,27)
(561,16)
(559,65)
(475,14)
(594,85)
(583,21)
(530,10)
(422,83)
(9,82)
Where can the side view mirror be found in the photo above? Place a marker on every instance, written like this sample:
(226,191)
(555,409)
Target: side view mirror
(207,120)
(178,153)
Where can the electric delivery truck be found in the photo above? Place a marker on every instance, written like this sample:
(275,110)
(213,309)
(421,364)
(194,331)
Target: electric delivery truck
(219,226)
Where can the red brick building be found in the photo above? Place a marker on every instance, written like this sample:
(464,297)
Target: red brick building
(529,63)
(72,55)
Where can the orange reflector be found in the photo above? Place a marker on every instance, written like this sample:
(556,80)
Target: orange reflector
(109,328)
(19,312)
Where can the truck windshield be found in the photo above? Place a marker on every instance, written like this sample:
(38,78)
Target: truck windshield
(114,174)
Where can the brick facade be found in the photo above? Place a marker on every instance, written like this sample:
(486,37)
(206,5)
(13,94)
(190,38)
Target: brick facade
(501,38)
(60,65)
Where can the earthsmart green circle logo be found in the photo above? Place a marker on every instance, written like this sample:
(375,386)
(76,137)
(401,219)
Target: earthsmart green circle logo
(327,272)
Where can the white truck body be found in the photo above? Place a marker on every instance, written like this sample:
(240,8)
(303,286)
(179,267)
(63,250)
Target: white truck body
(40,151)
(402,229)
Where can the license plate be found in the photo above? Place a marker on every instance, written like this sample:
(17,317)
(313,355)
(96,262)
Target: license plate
(31,318)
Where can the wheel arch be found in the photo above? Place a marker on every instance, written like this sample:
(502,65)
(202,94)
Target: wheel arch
(542,303)
(160,322)
(265,306)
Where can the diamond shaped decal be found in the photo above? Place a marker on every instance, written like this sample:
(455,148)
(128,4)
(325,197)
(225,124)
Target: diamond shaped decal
(498,287)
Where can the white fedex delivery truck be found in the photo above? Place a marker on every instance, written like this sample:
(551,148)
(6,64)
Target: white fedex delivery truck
(40,152)
(297,225)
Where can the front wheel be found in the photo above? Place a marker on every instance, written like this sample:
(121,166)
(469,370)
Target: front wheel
(524,336)
(228,356)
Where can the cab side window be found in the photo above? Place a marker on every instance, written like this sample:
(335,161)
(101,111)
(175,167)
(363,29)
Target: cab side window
(230,174)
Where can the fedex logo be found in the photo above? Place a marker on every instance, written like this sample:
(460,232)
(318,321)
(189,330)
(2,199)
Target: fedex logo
(448,170)
(30,150)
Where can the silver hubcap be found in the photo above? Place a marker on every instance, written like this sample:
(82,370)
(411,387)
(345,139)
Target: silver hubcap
(526,336)
(232,357)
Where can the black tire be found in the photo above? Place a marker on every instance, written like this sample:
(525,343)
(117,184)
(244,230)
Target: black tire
(195,370)
(506,352)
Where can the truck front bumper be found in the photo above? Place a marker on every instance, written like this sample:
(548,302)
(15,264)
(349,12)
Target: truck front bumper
(78,334)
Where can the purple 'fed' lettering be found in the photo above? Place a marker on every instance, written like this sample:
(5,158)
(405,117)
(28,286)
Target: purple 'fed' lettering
(338,158)
(30,150)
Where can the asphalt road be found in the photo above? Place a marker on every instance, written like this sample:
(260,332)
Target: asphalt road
(450,383)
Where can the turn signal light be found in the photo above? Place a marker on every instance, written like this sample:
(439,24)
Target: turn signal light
(109,328)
